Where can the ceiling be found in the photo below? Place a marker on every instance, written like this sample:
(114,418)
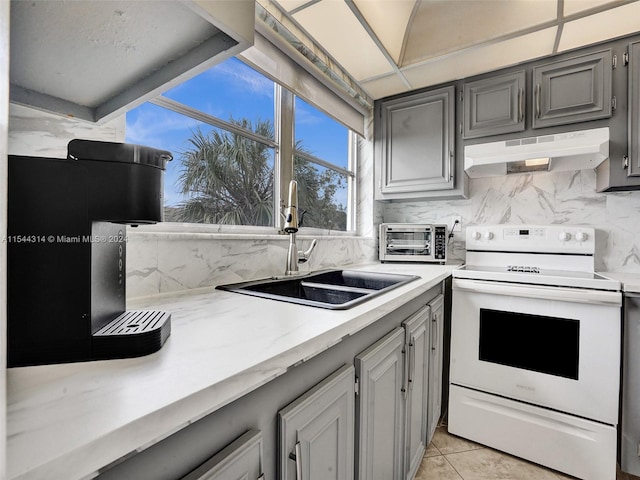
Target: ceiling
(394,46)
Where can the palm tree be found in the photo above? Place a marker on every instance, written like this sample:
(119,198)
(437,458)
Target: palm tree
(228,178)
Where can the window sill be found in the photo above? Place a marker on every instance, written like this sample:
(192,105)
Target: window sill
(239,232)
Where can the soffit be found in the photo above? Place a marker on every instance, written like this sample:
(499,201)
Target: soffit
(393,46)
(95,59)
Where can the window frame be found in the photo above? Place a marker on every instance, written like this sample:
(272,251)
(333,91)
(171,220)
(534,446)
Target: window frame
(285,153)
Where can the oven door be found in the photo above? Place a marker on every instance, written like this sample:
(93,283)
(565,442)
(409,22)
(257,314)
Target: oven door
(550,346)
(408,244)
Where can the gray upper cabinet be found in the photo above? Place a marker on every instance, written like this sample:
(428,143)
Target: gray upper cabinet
(380,409)
(416,144)
(573,90)
(316,431)
(418,352)
(436,348)
(494,105)
(634,109)
(241,460)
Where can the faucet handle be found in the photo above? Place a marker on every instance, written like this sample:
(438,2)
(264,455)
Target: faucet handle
(304,256)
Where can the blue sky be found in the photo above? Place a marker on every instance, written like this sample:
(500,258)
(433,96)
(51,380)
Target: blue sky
(228,89)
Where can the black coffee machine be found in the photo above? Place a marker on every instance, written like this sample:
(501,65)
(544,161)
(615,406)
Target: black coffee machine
(66,253)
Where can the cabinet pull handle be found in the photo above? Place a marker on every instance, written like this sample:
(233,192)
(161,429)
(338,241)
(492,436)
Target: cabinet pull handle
(520,104)
(434,335)
(297,457)
(412,364)
(538,88)
(261,477)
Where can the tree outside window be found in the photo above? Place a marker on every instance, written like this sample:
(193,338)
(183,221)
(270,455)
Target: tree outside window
(224,168)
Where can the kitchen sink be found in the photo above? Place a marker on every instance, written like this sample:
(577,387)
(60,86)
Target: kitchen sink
(332,289)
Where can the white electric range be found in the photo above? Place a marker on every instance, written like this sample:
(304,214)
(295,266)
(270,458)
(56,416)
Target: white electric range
(535,348)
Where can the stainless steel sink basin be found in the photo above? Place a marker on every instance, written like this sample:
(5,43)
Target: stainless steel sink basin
(332,289)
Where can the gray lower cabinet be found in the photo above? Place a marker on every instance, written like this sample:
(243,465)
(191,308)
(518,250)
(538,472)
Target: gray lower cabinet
(391,411)
(380,370)
(436,349)
(634,110)
(572,90)
(316,431)
(241,460)
(630,425)
(310,423)
(415,146)
(494,105)
(418,353)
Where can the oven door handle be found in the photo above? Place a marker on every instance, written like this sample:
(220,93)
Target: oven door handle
(563,294)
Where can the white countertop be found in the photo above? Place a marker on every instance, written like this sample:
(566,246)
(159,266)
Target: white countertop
(68,421)
(630,281)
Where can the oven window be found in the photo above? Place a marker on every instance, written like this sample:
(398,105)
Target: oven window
(409,243)
(533,342)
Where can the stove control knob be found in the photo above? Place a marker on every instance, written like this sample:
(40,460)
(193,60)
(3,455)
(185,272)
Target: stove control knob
(488,235)
(564,236)
(581,236)
(476,235)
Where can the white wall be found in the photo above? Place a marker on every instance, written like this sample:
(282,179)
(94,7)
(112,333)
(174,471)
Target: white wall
(41,134)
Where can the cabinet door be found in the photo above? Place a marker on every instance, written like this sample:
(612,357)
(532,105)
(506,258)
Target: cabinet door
(573,90)
(316,431)
(417,143)
(630,427)
(435,365)
(241,460)
(380,409)
(634,109)
(418,351)
(495,105)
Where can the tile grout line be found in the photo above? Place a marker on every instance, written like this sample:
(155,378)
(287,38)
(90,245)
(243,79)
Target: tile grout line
(454,468)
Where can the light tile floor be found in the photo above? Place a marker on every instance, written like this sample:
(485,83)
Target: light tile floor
(453,458)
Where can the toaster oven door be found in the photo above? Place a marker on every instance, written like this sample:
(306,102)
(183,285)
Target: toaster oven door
(408,244)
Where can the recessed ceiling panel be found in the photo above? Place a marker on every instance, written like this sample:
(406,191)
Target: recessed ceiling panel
(483,59)
(289,5)
(443,26)
(572,7)
(601,26)
(389,24)
(332,24)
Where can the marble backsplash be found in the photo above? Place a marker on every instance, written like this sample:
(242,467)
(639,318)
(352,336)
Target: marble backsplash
(160,262)
(544,198)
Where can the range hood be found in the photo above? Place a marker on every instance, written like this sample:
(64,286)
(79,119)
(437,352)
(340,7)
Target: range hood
(577,150)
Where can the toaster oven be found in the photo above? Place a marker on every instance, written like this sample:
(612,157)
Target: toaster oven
(409,242)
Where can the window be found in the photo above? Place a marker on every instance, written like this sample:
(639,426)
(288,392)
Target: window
(321,167)
(223,128)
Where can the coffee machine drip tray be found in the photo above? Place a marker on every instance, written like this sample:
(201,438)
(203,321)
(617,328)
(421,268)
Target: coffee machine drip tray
(132,334)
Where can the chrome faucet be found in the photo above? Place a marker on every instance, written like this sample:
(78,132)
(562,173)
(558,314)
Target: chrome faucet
(294,256)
